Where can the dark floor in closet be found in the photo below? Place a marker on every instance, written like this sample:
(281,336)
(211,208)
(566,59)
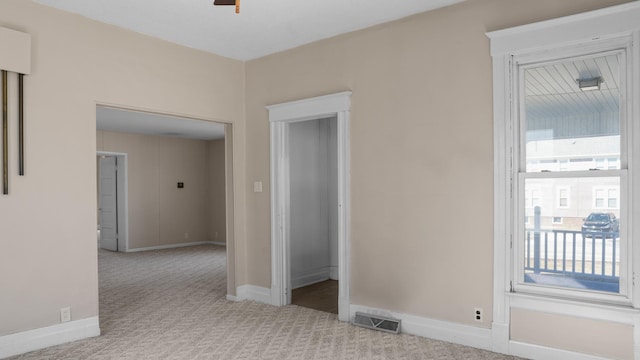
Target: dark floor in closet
(321,296)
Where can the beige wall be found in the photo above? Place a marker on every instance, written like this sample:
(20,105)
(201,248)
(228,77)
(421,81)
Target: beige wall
(421,127)
(159,212)
(48,223)
(609,340)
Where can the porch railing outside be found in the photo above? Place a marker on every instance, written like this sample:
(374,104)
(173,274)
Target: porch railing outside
(594,255)
(589,256)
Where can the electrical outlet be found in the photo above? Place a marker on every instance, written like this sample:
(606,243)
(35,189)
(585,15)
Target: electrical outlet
(215,235)
(65,314)
(186,235)
(477,314)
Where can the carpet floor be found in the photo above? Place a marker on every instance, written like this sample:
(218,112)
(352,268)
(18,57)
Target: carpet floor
(171,304)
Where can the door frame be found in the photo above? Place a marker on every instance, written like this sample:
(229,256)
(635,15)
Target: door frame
(122,196)
(280,117)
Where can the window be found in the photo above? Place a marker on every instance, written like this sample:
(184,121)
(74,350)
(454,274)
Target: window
(564,165)
(613,163)
(532,197)
(541,112)
(563,197)
(606,197)
(558,119)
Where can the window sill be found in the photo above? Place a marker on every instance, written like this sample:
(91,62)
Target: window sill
(619,313)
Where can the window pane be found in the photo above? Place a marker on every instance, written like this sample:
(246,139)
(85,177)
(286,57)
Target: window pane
(577,246)
(568,127)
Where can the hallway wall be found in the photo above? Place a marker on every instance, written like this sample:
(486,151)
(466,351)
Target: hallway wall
(159,212)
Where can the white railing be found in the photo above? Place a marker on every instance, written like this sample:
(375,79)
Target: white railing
(593,256)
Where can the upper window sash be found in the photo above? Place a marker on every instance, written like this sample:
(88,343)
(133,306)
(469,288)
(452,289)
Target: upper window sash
(520,64)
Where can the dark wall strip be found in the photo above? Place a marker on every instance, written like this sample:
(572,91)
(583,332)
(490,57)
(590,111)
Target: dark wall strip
(5,145)
(21,124)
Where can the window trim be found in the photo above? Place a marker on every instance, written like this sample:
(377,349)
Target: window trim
(519,63)
(559,198)
(606,189)
(583,30)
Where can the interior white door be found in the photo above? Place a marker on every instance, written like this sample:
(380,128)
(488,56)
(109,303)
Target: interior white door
(108,207)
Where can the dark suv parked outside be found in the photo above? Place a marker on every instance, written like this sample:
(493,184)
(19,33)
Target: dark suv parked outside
(600,222)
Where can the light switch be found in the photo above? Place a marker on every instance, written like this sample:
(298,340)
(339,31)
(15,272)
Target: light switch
(257,186)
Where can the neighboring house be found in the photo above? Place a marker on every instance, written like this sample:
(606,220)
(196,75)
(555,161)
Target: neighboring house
(566,202)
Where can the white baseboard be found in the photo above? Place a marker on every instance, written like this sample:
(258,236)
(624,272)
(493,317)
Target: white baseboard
(531,351)
(500,333)
(174,246)
(310,277)
(476,337)
(232,298)
(333,273)
(219,243)
(344,309)
(434,329)
(255,293)
(31,340)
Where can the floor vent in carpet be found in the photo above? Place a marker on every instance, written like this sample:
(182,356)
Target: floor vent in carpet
(376,322)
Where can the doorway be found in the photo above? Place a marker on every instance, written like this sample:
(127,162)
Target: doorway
(180,171)
(283,118)
(313,199)
(112,232)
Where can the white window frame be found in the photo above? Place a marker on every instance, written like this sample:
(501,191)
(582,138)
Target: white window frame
(553,220)
(519,63)
(558,198)
(586,32)
(605,189)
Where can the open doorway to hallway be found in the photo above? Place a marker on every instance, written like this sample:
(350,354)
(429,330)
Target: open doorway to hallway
(178,189)
(173,173)
(313,182)
(282,117)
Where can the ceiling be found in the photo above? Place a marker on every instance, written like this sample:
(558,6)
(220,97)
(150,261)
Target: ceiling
(552,89)
(113,119)
(555,106)
(263,27)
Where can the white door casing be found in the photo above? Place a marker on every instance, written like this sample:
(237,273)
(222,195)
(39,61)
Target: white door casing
(280,116)
(108,206)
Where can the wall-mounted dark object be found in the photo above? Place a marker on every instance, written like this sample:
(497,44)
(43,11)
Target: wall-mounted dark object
(229,2)
(180,185)
(15,58)
(5,131)
(21,124)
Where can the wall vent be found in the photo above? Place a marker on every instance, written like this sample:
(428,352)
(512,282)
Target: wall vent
(376,322)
